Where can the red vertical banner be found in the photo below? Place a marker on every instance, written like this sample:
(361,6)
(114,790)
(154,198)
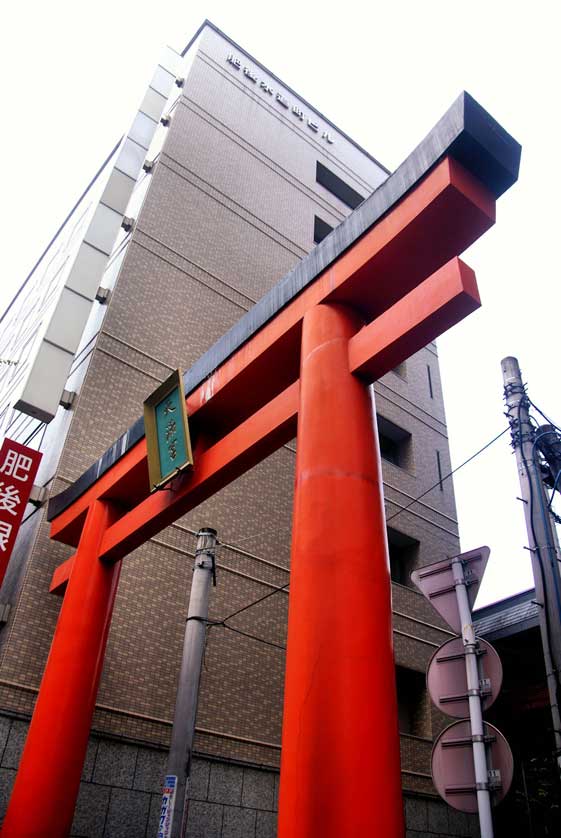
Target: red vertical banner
(18,468)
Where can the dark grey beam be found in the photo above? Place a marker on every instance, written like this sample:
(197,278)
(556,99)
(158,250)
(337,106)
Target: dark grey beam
(466,132)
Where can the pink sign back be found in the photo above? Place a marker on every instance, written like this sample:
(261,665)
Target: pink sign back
(453,773)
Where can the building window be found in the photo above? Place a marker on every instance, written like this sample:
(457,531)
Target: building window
(439,470)
(401,370)
(321,229)
(412,705)
(404,554)
(395,443)
(337,187)
(430,382)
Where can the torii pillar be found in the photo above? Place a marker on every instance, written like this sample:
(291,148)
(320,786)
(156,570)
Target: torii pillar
(384,284)
(340,752)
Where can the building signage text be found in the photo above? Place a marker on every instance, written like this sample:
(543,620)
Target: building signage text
(264,86)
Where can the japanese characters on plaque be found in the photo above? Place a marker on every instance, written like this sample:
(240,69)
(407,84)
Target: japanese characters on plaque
(18,468)
(170,428)
(279,98)
(167,431)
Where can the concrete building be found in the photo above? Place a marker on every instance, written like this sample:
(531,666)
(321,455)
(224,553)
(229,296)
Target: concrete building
(190,221)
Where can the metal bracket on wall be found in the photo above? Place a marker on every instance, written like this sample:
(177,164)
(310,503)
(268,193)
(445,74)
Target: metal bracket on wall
(102,295)
(38,495)
(67,399)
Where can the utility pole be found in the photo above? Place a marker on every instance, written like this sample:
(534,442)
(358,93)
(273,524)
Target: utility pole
(541,535)
(173,814)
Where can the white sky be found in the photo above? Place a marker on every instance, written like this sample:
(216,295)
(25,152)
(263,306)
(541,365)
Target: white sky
(73,74)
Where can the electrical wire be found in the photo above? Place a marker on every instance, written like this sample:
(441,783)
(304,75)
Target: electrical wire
(405,508)
(547,419)
(251,636)
(446,476)
(223,623)
(537,549)
(554,489)
(251,604)
(550,548)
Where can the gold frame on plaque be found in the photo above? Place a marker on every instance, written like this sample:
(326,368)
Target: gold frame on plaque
(173,382)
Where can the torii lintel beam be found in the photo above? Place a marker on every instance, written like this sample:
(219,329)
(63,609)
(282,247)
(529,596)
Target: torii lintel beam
(399,272)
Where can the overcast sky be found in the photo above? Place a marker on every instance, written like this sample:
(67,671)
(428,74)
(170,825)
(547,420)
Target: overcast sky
(73,74)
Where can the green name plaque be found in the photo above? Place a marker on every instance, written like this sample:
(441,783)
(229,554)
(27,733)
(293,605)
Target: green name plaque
(167,431)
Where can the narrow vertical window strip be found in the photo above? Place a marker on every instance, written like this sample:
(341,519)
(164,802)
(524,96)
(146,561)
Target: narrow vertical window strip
(439,468)
(429,376)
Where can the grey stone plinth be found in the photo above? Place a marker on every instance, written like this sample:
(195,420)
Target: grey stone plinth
(205,820)
(258,789)
(200,776)
(7,777)
(416,816)
(91,811)
(238,823)
(128,814)
(225,784)
(150,770)
(14,745)
(89,762)
(115,764)
(266,825)
(437,817)
(5,725)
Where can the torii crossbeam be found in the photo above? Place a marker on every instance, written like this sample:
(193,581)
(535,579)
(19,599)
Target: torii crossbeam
(386,282)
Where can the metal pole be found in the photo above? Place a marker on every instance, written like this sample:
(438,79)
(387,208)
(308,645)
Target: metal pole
(173,814)
(474,700)
(542,539)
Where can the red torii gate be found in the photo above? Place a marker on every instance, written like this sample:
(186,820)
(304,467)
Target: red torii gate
(384,284)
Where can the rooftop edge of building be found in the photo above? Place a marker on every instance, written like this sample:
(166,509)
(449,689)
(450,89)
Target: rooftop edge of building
(209,24)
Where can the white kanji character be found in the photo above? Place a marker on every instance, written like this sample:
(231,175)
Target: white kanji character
(9,498)
(16,465)
(5,532)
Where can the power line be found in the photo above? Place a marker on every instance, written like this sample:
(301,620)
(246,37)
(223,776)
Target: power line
(223,623)
(446,476)
(251,636)
(251,604)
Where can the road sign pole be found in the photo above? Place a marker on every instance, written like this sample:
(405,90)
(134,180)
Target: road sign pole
(173,813)
(474,698)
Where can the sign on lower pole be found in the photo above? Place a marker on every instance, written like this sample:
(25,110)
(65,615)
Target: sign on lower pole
(166,812)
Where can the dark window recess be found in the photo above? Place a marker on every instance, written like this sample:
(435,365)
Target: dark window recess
(337,186)
(404,553)
(321,229)
(401,370)
(439,469)
(395,443)
(411,702)
(429,376)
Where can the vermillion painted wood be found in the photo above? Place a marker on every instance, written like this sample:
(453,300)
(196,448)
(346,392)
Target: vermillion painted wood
(340,769)
(46,787)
